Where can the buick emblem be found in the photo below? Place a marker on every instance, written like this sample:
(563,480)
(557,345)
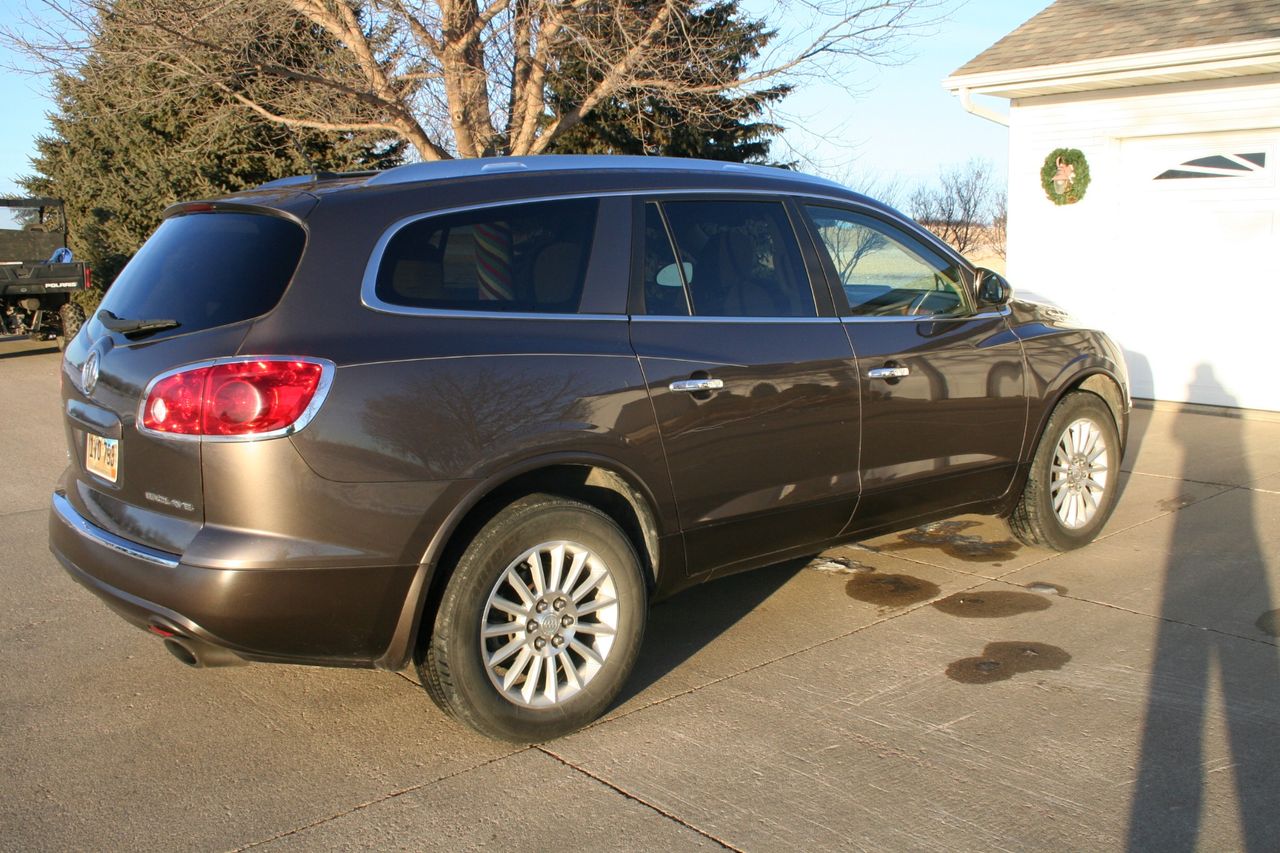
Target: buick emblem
(89,374)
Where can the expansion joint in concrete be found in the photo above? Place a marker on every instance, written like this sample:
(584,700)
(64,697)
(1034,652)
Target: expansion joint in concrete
(635,798)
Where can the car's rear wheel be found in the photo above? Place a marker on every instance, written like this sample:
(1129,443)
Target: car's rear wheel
(1071,488)
(540,623)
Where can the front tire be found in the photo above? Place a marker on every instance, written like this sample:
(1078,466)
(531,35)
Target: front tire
(1071,489)
(540,623)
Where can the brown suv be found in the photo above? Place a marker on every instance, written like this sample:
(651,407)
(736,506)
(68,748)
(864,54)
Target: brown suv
(478,414)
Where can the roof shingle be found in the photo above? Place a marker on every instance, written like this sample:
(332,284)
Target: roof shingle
(1079,30)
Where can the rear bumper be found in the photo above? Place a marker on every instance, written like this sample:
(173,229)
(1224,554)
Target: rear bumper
(329,616)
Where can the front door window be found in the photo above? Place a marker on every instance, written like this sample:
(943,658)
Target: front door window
(881,274)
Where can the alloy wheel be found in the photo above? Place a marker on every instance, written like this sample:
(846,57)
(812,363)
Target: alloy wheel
(1079,473)
(549,624)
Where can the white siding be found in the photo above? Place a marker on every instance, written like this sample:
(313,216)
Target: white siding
(1147,262)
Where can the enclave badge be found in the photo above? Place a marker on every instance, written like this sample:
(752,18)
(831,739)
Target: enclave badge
(89,374)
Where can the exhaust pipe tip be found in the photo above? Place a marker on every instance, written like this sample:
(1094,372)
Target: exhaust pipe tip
(199,655)
(181,652)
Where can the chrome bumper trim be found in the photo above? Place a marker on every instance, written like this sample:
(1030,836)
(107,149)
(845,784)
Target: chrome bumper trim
(77,522)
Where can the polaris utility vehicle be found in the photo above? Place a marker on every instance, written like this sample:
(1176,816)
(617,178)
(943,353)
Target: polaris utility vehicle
(37,273)
(475,416)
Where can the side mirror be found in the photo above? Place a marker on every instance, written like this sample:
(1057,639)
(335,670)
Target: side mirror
(993,290)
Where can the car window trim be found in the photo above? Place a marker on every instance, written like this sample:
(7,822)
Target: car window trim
(926,318)
(727,318)
(369,298)
(812,259)
(636,300)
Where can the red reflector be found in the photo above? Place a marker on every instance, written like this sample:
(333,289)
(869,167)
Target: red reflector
(160,632)
(175,402)
(239,398)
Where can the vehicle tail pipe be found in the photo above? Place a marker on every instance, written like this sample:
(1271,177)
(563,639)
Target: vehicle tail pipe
(198,655)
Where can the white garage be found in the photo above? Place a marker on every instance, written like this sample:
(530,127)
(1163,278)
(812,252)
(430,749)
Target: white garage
(1173,244)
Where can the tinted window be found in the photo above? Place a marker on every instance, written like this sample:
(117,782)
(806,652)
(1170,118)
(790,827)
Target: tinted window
(881,272)
(525,257)
(739,259)
(208,269)
(664,290)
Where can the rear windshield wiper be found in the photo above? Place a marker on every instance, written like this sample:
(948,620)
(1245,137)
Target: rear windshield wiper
(134,328)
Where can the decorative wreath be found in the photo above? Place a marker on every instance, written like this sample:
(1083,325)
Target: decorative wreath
(1065,175)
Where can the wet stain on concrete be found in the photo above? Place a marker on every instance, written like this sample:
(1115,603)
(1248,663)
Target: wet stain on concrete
(1002,661)
(991,605)
(950,538)
(890,590)
(1046,588)
(1269,623)
(837,565)
(1175,503)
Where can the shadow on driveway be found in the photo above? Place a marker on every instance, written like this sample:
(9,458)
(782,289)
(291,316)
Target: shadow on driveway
(1168,802)
(683,625)
(23,348)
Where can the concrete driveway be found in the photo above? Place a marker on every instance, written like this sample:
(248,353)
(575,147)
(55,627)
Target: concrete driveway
(941,689)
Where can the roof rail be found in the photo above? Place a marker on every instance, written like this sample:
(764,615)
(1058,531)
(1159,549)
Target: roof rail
(318,177)
(440,170)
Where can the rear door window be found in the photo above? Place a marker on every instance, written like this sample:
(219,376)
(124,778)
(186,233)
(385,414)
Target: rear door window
(208,269)
(735,259)
(523,257)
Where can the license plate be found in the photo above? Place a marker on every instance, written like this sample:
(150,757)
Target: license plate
(102,456)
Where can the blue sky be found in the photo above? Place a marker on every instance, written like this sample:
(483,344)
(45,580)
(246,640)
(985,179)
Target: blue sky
(876,124)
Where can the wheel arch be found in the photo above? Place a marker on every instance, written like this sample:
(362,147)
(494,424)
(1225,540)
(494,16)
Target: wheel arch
(597,480)
(1032,507)
(1096,377)
(1093,375)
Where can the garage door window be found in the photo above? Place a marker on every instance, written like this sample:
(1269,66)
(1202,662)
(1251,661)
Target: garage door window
(1217,166)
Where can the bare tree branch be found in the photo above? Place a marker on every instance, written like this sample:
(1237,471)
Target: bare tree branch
(960,207)
(611,82)
(468,77)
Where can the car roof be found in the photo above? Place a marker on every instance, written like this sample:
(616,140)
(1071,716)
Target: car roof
(296,196)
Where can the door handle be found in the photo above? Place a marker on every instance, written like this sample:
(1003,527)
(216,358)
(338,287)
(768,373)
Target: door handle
(695,385)
(888,372)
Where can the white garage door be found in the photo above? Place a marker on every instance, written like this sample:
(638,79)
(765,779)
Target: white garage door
(1200,238)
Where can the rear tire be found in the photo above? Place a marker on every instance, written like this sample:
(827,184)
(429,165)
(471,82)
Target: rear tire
(528,654)
(72,316)
(1072,486)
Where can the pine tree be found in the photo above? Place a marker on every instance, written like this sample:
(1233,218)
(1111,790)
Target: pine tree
(124,145)
(711,125)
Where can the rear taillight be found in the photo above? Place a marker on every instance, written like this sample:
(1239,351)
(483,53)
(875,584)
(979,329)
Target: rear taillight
(241,398)
(88,278)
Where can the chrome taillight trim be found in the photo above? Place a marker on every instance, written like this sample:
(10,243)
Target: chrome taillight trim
(327,371)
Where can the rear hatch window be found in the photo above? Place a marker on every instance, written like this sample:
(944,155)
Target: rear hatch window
(208,269)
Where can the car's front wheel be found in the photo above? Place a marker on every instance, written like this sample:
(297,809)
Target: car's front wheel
(540,623)
(1071,488)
